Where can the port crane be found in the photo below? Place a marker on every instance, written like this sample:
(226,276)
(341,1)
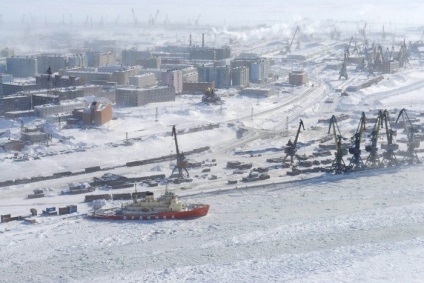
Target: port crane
(291,149)
(288,50)
(343,70)
(411,156)
(134,17)
(181,160)
(373,160)
(356,160)
(389,157)
(338,166)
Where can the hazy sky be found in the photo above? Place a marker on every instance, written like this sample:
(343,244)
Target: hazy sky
(238,12)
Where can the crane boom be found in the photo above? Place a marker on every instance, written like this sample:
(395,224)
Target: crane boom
(338,166)
(291,42)
(356,161)
(411,156)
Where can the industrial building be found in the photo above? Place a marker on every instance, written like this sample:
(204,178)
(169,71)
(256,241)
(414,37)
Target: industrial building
(143,80)
(4,79)
(240,76)
(139,97)
(209,54)
(22,67)
(298,78)
(173,78)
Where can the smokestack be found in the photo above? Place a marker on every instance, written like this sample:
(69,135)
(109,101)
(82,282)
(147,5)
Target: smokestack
(203,40)
(189,44)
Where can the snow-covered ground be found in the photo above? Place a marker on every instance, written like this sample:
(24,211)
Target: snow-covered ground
(315,227)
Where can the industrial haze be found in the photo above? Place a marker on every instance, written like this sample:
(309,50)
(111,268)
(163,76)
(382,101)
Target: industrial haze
(324,217)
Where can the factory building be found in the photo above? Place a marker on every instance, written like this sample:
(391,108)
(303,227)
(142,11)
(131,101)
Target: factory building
(240,76)
(22,67)
(140,97)
(173,78)
(143,80)
(298,78)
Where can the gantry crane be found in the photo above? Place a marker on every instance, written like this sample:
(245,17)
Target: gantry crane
(291,149)
(356,160)
(338,166)
(389,157)
(373,160)
(181,160)
(411,156)
(289,45)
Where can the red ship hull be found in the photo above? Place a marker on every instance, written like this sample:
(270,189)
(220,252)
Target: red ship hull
(198,211)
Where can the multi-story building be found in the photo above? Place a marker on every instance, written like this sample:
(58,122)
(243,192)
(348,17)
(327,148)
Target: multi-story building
(139,97)
(221,75)
(22,67)
(209,54)
(150,63)
(240,76)
(130,56)
(259,71)
(143,80)
(89,76)
(173,78)
(45,81)
(44,98)
(18,102)
(298,78)
(96,59)
(390,67)
(66,106)
(77,61)
(54,62)
(15,87)
(4,79)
